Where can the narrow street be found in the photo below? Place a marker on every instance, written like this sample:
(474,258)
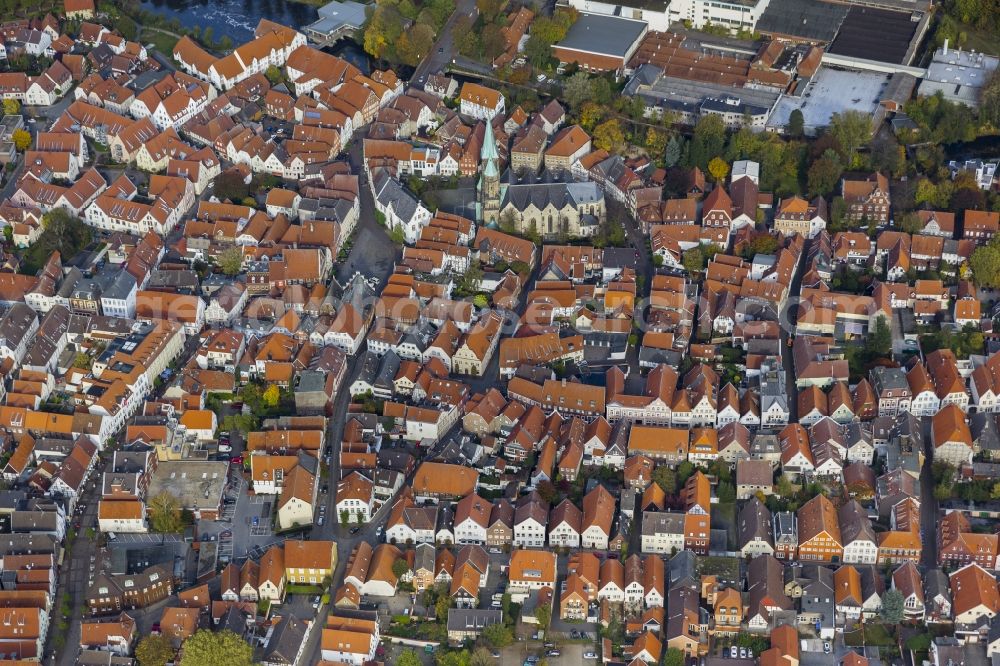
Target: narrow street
(928,504)
(74,580)
(373,255)
(786,331)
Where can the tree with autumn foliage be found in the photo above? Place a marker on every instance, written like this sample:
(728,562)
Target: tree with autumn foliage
(718,168)
(609,136)
(271,395)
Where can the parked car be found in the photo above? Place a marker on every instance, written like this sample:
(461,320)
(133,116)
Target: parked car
(826,647)
(734,652)
(590,655)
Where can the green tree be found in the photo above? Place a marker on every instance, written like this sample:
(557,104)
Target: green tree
(909,223)
(154,650)
(726,492)
(230,260)
(229,185)
(209,648)
(696,259)
(684,471)
(494,42)
(892,607)
(396,235)
(490,9)
(414,44)
(408,657)
(547,491)
(543,614)
(985,264)
(21,138)
(577,90)
(441,607)
(989,100)
(470,281)
(498,635)
(673,657)
(784,487)
(796,126)
(399,568)
(382,31)
(879,340)
(63,233)
(693,260)
(165,513)
(852,130)
(538,51)
(824,173)
(761,244)
(453,658)
(708,141)
(665,478)
(481,657)
(673,152)
(273,74)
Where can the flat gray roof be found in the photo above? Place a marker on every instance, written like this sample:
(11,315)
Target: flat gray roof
(832,91)
(806,19)
(195,483)
(335,15)
(604,35)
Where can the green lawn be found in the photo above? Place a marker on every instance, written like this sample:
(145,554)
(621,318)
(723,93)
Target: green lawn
(726,567)
(869,634)
(983,41)
(163,42)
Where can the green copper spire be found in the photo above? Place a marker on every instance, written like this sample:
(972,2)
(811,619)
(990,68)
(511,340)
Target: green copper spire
(489,151)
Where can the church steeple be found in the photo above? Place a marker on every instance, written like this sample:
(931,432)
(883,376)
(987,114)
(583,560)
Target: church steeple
(489,184)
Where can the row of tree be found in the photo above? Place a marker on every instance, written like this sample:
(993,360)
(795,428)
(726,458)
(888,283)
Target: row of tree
(204,648)
(402,31)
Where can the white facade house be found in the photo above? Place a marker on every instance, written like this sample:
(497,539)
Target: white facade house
(401,209)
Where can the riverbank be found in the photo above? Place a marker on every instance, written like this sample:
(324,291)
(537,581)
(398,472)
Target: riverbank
(233,21)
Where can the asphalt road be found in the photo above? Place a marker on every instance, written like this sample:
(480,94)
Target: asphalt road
(928,505)
(372,254)
(74,580)
(786,332)
(445,50)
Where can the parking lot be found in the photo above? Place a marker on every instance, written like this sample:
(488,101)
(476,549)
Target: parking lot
(245,521)
(570,653)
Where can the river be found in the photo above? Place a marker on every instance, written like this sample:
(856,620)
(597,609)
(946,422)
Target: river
(238,18)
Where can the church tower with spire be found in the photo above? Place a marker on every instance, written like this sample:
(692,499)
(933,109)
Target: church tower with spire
(489,180)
